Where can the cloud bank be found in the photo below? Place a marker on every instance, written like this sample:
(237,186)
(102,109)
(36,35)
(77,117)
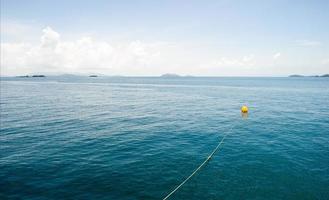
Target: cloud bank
(85,55)
(52,55)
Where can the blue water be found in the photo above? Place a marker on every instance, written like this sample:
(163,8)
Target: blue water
(138,138)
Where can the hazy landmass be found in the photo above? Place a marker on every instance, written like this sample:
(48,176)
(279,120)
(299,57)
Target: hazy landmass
(297,75)
(33,76)
(170,75)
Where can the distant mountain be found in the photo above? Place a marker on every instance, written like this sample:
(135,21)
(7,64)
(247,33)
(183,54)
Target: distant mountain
(33,76)
(38,76)
(170,76)
(68,75)
(297,75)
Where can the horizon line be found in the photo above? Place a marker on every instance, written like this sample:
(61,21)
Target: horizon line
(162,76)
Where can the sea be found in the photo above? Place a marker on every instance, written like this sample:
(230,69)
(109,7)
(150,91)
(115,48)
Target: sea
(132,138)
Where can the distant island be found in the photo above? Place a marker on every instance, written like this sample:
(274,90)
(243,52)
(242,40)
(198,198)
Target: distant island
(93,76)
(170,76)
(38,76)
(34,76)
(175,76)
(297,75)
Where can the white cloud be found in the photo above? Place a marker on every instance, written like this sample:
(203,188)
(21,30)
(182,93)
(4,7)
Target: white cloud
(276,56)
(49,53)
(307,43)
(50,38)
(53,55)
(85,55)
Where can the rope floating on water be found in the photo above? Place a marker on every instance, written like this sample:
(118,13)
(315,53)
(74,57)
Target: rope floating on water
(197,169)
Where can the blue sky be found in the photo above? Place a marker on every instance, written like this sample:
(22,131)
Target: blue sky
(217,38)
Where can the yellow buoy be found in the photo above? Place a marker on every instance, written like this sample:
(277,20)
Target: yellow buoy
(244,109)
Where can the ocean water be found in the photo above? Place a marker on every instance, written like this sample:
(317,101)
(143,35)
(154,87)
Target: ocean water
(138,138)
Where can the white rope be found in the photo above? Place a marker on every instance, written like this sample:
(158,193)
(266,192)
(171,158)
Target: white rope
(197,169)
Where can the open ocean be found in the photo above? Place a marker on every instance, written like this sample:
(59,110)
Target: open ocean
(138,138)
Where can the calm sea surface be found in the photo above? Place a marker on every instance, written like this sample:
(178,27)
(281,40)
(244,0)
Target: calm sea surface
(138,138)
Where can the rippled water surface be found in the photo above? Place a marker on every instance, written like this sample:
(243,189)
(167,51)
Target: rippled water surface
(137,138)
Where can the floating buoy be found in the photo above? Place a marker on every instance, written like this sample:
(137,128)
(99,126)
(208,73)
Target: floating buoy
(244,109)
